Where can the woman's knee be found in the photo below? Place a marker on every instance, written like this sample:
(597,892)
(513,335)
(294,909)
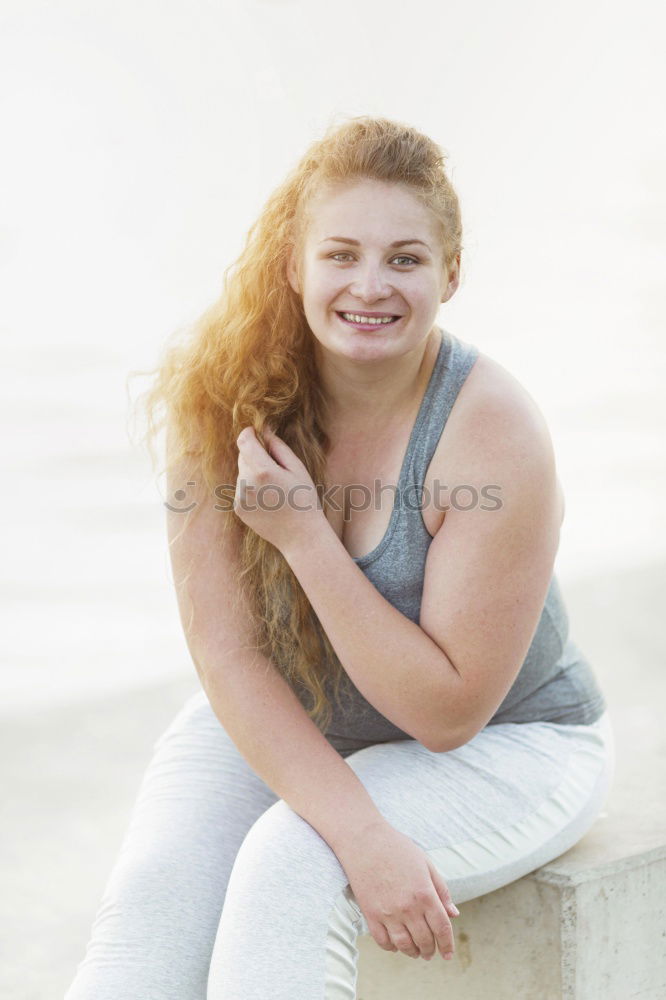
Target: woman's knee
(282,851)
(287,890)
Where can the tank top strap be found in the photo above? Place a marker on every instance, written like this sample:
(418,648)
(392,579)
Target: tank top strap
(452,366)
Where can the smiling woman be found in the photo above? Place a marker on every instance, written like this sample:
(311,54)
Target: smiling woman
(277,820)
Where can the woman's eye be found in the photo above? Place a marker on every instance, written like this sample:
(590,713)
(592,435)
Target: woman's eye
(410,260)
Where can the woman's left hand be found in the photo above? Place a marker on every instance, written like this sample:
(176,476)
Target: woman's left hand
(281,502)
(403,897)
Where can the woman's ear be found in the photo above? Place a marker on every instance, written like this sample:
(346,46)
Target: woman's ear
(453,280)
(292,273)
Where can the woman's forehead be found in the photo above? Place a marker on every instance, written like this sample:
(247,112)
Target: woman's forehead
(388,204)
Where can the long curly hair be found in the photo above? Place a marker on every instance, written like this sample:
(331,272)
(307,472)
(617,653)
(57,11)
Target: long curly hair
(249,360)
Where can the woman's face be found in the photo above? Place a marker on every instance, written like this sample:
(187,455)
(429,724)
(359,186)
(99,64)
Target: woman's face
(351,265)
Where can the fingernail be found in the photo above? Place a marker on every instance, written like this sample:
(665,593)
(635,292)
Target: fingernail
(455,910)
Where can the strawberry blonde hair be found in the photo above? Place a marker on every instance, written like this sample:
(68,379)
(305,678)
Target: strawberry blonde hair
(249,360)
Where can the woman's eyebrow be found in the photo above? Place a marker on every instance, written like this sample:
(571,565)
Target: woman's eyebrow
(396,243)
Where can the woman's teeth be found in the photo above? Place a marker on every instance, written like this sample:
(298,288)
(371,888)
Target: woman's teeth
(368,320)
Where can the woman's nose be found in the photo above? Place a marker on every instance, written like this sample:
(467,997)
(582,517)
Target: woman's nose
(370,283)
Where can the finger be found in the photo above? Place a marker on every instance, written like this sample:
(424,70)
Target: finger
(249,443)
(245,480)
(280,450)
(381,936)
(423,937)
(440,925)
(443,890)
(246,438)
(403,940)
(254,464)
(266,458)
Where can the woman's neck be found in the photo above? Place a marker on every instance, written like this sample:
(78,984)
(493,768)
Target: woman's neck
(373,396)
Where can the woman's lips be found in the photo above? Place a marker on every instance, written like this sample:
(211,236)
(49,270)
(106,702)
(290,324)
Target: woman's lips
(369,326)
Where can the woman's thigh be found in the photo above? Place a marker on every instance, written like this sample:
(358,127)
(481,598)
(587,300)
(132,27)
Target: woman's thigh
(513,798)
(155,928)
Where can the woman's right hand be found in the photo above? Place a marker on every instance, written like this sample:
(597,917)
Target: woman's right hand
(404,899)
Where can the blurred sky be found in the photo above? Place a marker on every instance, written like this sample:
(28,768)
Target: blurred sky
(141,139)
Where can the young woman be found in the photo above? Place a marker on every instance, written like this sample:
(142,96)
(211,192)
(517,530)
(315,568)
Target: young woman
(363,516)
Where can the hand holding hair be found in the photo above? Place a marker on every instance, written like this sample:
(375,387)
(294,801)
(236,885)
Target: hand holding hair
(275,495)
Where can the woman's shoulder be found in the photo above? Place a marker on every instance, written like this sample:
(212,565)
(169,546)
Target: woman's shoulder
(494,410)
(492,395)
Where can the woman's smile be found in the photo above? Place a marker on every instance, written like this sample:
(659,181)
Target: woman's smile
(372,325)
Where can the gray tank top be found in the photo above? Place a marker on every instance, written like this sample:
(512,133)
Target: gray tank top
(555,682)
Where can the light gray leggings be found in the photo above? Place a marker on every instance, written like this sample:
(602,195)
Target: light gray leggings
(222,891)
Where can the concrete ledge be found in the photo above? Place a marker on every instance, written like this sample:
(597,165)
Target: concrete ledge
(570,930)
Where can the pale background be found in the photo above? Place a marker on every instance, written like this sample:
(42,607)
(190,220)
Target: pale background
(139,142)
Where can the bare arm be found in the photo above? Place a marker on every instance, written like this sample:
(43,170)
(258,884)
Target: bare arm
(251,699)
(393,662)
